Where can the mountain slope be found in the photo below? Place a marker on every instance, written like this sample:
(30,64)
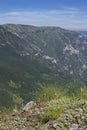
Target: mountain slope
(32,55)
(84,33)
(60,47)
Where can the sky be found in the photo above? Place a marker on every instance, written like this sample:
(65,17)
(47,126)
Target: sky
(68,14)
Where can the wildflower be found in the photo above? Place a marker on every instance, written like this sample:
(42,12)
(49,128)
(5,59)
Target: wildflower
(31,111)
(81,89)
(15,110)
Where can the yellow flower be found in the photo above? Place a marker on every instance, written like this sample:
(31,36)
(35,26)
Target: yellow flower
(81,89)
(31,111)
(15,110)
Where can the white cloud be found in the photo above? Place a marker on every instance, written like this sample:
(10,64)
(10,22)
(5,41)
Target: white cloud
(9,14)
(70,18)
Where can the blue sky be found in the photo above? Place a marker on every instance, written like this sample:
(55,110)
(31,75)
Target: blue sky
(69,14)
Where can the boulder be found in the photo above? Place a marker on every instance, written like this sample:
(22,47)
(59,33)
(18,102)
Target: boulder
(29,105)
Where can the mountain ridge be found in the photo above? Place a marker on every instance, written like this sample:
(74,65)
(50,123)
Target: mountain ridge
(38,40)
(31,55)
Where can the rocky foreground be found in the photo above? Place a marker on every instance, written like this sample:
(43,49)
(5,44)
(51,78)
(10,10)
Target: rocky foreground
(58,114)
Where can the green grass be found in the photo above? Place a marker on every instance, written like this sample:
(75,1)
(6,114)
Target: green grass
(55,108)
(48,92)
(82,93)
(57,104)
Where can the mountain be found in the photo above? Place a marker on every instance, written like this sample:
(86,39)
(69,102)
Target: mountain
(63,50)
(32,55)
(83,32)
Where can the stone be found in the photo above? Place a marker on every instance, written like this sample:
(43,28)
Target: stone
(83,117)
(80,110)
(29,106)
(52,125)
(64,118)
(77,117)
(55,124)
(74,127)
(37,110)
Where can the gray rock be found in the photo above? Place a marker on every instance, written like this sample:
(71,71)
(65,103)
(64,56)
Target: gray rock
(74,127)
(29,106)
(83,128)
(79,110)
(55,124)
(37,110)
(64,118)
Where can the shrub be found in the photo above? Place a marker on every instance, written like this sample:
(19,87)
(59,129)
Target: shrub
(48,92)
(82,93)
(54,109)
